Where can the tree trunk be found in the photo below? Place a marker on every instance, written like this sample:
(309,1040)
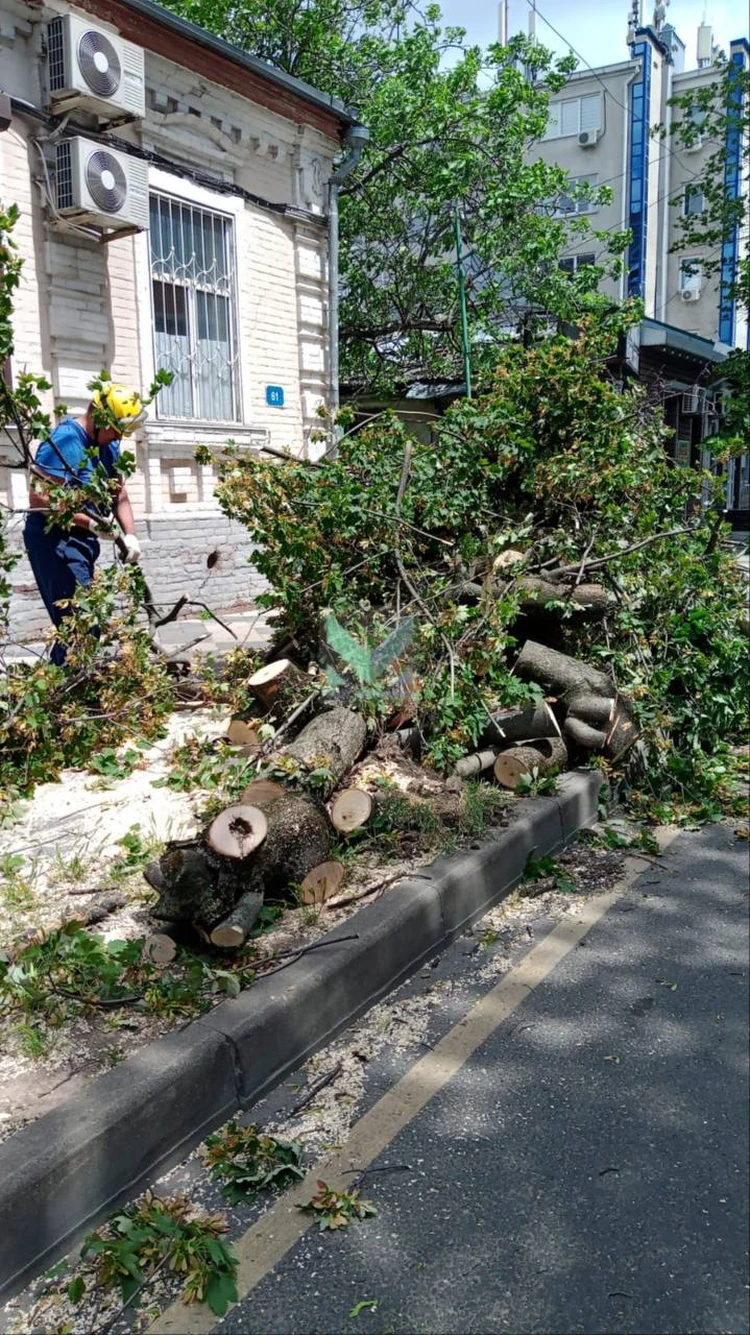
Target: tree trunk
(596,710)
(522,724)
(233,931)
(332,742)
(591,739)
(546,755)
(277,684)
(558,673)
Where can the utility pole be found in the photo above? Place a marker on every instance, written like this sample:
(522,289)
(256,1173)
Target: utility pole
(462,301)
(503,22)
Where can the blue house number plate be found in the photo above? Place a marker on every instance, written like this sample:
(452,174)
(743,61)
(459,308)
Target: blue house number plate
(274,396)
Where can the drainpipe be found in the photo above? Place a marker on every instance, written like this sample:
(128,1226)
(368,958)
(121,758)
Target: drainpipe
(355,139)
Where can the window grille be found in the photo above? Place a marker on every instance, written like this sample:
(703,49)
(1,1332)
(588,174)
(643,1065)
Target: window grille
(193,291)
(56,55)
(63,177)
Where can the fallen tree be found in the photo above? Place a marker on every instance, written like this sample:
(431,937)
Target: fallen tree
(563,579)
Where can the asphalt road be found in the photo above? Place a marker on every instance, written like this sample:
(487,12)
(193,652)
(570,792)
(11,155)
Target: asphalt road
(586,1169)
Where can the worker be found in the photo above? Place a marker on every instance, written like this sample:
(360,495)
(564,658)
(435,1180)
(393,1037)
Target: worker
(64,559)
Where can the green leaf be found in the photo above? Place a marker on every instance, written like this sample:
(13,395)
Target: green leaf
(364,1305)
(76,1289)
(355,655)
(221,1290)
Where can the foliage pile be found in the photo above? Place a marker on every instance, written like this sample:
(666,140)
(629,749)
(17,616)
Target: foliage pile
(73,972)
(335,1209)
(154,1235)
(551,465)
(245,1161)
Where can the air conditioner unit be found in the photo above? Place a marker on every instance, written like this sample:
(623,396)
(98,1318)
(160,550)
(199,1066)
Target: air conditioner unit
(93,69)
(690,294)
(97,187)
(691,402)
(589,138)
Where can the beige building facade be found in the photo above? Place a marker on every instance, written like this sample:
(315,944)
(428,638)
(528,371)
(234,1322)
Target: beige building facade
(177,222)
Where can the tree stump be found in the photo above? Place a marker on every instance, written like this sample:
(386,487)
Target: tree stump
(203,884)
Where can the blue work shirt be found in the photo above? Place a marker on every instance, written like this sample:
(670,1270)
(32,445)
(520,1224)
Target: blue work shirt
(75,466)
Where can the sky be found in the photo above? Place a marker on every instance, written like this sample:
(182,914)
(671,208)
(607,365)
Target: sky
(597,28)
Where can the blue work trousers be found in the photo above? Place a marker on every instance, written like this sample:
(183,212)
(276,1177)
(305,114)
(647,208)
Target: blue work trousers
(61,562)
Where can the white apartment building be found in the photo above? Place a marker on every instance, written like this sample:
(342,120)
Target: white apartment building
(173,198)
(600,132)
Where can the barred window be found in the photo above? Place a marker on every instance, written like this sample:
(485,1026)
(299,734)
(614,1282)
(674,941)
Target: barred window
(194,310)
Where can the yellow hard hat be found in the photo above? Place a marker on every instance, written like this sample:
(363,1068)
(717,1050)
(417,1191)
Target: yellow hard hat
(122,407)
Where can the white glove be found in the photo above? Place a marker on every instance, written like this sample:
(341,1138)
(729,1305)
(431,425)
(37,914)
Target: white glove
(132,549)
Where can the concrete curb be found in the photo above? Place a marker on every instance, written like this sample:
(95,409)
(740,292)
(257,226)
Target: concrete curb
(60,1176)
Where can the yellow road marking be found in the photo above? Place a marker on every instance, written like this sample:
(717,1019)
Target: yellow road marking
(268,1240)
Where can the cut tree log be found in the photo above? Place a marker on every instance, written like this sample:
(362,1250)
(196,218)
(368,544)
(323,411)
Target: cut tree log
(331,742)
(262,791)
(298,838)
(241,733)
(159,948)
(237,831)
(276,684)
(522,724)
(233,931)
(591,739)
(476,763)
(558,673)
(203,886)
(546,755)
(321,883)
(351,809)
(596,710)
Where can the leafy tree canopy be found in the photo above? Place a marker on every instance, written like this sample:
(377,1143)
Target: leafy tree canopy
(451,126)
